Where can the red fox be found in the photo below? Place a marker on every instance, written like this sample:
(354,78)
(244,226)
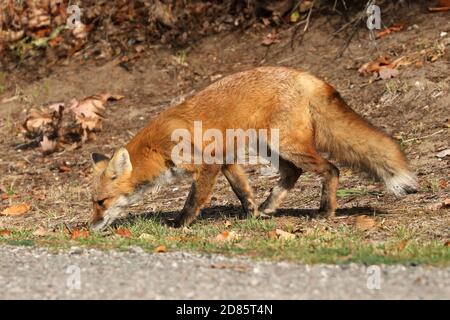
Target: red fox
(310,115)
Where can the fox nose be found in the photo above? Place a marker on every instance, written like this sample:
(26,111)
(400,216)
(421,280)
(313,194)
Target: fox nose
(99,224)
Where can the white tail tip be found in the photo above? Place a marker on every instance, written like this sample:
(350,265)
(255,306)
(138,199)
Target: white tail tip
(402,183)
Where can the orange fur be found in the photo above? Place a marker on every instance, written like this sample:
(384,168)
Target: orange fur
(311,117)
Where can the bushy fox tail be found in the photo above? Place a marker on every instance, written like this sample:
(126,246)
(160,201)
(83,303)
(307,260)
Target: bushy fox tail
(349,138)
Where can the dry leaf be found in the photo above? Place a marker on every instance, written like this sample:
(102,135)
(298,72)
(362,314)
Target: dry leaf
(394,28)
(388,73)
(160,249)
(146,236)
(443,153)
(123,232)
(63,168)
(17,210)
(270,39)
(364,223)
(5,232)
(272,234)
(374,66)
(227,236)
(79,234)
(446,203)
(402,245)
(447,244)
(284,235)
(41,232)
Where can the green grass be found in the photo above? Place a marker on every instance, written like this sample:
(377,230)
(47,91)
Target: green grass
(315,245)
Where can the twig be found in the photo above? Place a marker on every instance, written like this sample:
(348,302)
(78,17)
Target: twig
(355,23)
(423,137)
(306,22)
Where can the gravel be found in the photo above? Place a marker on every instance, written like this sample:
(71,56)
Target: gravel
(37,273)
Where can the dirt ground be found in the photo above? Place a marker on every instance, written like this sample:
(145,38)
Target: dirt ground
(413,107)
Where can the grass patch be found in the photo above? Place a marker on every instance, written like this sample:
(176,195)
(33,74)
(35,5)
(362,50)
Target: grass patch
(316,244)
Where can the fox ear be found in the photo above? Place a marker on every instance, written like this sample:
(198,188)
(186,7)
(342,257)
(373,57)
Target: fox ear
(99,161)
(120,163)
(98,157)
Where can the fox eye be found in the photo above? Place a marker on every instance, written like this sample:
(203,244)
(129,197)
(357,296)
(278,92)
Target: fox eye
(101,203)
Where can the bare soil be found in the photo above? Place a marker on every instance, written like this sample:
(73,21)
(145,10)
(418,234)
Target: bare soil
(414,107)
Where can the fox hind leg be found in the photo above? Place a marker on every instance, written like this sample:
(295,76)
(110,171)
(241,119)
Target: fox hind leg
(289,175)
(239,183)
(310,160)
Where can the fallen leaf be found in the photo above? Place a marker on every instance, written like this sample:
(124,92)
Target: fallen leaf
(123,232)
(394,28)
(17,210)
(41,232)
(447,244)
(146,236)
(160,249)
(364,223)
(79,234)
(272,234)
(270,39)
(284,235)
(401,245)
(383,67)
(443,153)
(227,236)
(294,16)
(388,73)
(64,168)
(374,66)
(5,232)
(446,203)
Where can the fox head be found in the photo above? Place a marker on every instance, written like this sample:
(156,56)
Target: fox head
(112,188)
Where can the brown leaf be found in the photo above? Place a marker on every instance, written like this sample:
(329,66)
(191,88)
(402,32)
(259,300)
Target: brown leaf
(17,210)
(37,119)
(374,66)
(272,234)
(447,244)
(41,232)
(364,223)
(63,168)
(79,234)
(123,232)
(388,73)
(444,153)
(284,235)
(446,203)
(394,28)
(270,39)
(401,245)
(5,232)
(146,236)
(160,249)
(227,236)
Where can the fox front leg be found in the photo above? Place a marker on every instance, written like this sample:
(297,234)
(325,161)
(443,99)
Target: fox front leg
(199,193)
